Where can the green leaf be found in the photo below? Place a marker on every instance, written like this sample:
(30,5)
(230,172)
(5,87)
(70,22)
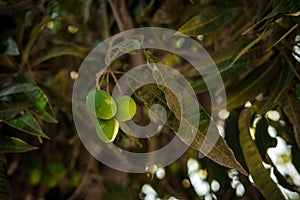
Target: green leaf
(5,192)
(291,108)
(260,175)
(9,110)
(171,100)
(278,88)
(248,45)
(14,88)
(283,36)
(56,51)
(54,172)
(14,145)
(207,20)
(219,153)
(263,139)
(116,191)
(33,36)
(247,90)
(220,56)
(228,71)
(282,7)
(37,98)
(26,123)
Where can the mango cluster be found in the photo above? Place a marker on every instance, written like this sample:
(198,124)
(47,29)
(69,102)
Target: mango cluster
(109,112)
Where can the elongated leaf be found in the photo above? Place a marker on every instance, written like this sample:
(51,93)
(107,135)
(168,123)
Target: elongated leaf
(279,86)
(5,192)
(219,153)
(248,45)
(9,110)
(15,88)
(247,90)
(171,100)
(37,98)
(296,158)
(14,145)
(219,57)
(26,123)
(56,51)
(291,108)
(228,72)
(207,20)
(282,7)
(263,139)
(33,36)
(283,36)
(253,159)
(298,92)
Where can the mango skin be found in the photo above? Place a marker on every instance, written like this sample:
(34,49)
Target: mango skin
(101,104)
(107,130)
(126,108)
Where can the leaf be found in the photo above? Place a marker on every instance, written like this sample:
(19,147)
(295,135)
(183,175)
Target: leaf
(219,153)
(260,175)
(37,98)
(282,7)
(56,51)
(207,20)
(248,45)
(14,145)
(247,90)
(284,182)
(262,138)
(277,89)
(33,36)
(296,158)
(14,88)
(9,110)
(284,36)
(291,108)
(5,192)
(298,92)
(171,100)
(128,45)
(220,56)
(116,190)
(227,73)
(27,124)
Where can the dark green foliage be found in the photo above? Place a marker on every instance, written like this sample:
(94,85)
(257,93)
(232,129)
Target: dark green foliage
(43,43)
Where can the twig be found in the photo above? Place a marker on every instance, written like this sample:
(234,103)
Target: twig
(23,5)
(84,180)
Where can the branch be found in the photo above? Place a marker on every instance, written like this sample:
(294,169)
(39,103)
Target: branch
(23,5)
(125,22)
(122,15)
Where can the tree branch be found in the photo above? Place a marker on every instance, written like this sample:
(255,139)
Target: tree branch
(23,5)
(125,22)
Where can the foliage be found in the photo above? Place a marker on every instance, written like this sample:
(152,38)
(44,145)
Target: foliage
(253,44)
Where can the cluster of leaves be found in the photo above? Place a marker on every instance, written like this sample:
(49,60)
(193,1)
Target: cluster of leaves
(252,43)
(256,59)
